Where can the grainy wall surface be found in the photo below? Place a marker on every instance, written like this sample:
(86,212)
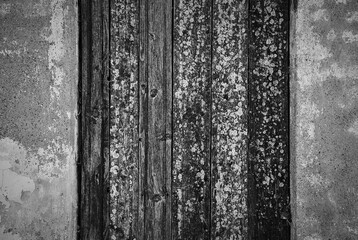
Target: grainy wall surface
(38,88)
(326,128)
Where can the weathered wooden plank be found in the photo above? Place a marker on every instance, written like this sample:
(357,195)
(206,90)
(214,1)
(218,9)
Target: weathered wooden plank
(268,189)
(156,81)
(106,117)
(124,193)
(92,202)
(143,110)
(192,119)
(229,120)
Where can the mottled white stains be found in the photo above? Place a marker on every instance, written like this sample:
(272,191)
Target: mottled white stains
(349,37)
(354,128)
(331,35)
(325,98)
(124,120)
(5,8)
(352,17)
(229,118)
(320,14)
(56,50)
(313,237)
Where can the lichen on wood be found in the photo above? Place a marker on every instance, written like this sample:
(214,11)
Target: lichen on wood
(124,119)
(268,196)
(229,120)
(191,109)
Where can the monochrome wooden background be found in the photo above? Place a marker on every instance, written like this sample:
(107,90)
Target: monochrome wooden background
(184,130)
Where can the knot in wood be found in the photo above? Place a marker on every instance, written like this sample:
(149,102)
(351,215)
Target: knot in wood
(153,92)
(156,197)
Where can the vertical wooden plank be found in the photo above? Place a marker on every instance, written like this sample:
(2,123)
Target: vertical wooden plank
(156,80)
(229,120)
(143,110)
(268,193)
(106,117)
(92,203)
(124,182)
(192,119)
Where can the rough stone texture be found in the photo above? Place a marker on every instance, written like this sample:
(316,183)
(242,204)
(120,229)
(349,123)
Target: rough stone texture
(326,119)
(38,88)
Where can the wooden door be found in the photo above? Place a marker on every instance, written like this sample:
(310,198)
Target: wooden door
(184,119)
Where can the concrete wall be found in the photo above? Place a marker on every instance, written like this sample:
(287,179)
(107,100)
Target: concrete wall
(326,119)
(38,95)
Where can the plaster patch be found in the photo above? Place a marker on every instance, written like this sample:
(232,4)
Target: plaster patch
(11,151)
(13,185)
(341,1)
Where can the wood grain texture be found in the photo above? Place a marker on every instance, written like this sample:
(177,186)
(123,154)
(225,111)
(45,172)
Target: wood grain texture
(106,117)
(192,119)
(93,115)
(124,167)
(229,120)
(155,78)
(268,190)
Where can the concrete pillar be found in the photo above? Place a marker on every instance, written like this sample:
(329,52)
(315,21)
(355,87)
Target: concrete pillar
(325,119)
(38,92)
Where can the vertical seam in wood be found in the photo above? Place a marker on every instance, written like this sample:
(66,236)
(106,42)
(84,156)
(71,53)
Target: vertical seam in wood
(101,173)
(211,117)
(138,121)
(79,120)
(146,126)
(172,116)
(292,113)
(105,116)
(165,107)
(249,130)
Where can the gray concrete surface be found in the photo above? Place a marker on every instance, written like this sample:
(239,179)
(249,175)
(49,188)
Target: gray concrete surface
(38,104)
